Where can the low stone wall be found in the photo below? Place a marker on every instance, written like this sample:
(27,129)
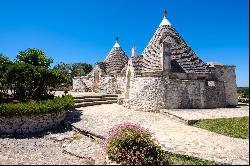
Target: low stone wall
(30,124)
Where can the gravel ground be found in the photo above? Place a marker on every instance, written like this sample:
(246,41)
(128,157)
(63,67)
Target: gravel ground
(50,149)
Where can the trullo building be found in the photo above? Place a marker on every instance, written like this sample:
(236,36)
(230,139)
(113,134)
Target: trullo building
(168,74)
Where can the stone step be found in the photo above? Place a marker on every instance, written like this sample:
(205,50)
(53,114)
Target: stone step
(105,102)
(85,104)
(84,97)
(112,101)
(110,98)
(110,95)
(94,99)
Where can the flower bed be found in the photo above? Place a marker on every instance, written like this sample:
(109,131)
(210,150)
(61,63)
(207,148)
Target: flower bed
(33,117)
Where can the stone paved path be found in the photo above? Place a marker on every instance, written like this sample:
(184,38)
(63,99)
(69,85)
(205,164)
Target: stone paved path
(176,137)
(198,114)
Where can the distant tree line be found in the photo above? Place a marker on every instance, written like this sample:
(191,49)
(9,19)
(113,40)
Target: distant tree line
(74,70)
(243,92)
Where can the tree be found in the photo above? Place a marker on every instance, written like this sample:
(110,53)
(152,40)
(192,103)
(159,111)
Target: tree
(4,59)
(80,69)
(34,57)
(63,68)
(73,70)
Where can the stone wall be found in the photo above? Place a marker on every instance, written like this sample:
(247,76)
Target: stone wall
(30,124)
(82,84)
(146,93)
(215,95)
(227,74)
(155,93)
(111,85)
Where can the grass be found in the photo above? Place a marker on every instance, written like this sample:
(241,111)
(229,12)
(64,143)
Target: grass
(177,159)
(233,127)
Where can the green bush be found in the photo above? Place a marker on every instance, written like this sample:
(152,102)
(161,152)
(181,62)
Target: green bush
(59,104)
(131,144)
(29,82)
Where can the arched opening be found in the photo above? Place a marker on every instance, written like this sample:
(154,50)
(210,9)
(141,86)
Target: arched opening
(128,85)
(96,80)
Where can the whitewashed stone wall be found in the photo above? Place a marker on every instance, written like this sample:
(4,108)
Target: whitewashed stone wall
(155,93)
(146,93)
(227,74)
(82,84)
(30,124)
(111,85)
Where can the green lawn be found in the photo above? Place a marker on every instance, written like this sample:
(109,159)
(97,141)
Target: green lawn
(176,159)
(233,127)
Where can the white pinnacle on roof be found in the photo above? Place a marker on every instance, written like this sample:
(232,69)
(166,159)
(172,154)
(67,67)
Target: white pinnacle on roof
(165,20)
(116,44)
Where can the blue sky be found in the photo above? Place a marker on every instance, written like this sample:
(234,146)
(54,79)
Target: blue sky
(84,31)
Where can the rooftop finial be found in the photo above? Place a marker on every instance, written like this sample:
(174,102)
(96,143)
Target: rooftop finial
(164,20)
(116,38)
(116,44)
(164,13)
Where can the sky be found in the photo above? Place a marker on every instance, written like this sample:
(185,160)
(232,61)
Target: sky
(74,31)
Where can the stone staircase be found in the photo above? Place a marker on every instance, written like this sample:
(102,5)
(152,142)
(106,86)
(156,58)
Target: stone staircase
(91,100)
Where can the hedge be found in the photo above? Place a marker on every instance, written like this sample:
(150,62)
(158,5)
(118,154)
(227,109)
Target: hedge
(58,104)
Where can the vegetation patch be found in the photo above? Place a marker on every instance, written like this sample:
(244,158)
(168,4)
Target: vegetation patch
(243,93)
(131,144)
(177,159)
(58,104)
(233,127)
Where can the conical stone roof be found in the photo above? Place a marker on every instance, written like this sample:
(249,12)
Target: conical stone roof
(183,57)
(116,60)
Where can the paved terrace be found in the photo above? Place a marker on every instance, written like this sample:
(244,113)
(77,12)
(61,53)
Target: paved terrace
(175,136)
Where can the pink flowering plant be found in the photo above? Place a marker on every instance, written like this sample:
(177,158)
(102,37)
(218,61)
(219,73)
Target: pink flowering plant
(131,144)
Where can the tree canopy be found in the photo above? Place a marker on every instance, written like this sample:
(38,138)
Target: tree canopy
(4,59)
(34,57)
(75,69)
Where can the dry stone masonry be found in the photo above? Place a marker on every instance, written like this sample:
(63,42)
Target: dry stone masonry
(168,75)
(30,124)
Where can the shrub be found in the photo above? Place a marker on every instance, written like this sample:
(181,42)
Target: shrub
(131,144)
(59,104)
(29,82)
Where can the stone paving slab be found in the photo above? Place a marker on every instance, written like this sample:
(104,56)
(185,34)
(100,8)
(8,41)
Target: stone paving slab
(175,136)
(36,151)
(86,148)
(62,148)
(199,114)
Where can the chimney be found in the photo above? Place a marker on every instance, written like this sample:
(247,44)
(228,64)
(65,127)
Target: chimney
(133,54)
(166,57)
